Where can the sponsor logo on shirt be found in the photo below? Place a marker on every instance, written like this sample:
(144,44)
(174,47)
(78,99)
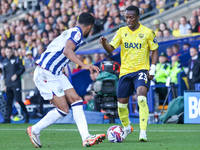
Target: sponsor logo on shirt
(155,40)
(133,45)
(77,37)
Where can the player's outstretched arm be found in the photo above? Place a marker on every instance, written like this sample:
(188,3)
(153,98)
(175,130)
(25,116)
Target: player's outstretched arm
(154,60)
(69,53)
(106,46)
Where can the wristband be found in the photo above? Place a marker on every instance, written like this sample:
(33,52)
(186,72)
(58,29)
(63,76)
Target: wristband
(152,70)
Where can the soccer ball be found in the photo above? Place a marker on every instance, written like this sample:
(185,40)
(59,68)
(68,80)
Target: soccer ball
(114,134)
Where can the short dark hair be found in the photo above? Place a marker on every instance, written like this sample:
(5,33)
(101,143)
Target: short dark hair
(187,44)
(176,45)
(8,47)
(86,19)
(133,8)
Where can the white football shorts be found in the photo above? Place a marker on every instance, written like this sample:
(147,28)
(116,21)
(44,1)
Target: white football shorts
(49,84)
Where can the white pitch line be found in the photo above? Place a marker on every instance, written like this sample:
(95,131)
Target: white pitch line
(178,131)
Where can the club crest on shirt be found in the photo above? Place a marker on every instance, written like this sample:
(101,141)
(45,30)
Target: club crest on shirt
(125,34)
(60,89)
(141,35)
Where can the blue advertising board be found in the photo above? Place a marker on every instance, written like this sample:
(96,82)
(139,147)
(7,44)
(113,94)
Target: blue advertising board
(192,107)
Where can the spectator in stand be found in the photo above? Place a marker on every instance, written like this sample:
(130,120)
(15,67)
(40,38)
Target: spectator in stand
(166,33)
(51,35)
(88,60)
(116,13)
(163,26)
(96,58)
(176,30)
(45,41)
(161,6)
(102,20)
(176,50)
(109,24)
(194,14)
(29,60)
(118,21)
(175,69)
(31,21)
(40,49)
(71,24)
(189,32)
(193,75)
(162,72)
(41,24)
(29,46)
(90,6)
(90,91)
(186,47)
(103,56)
(169,53)
(145,6)
(3,43)
(198,11)
(35,51)
(65,19)
(17,45)
(78,68)
(184,26)
(159,33)
(194,24)
(56,32)
(3,55)
(171,25)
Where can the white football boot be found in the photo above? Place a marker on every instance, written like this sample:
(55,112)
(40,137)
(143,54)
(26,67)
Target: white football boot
(143,136)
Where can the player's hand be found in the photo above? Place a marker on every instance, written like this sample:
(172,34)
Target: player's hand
(150,77)
(92,68)
(14,77)
(102,40)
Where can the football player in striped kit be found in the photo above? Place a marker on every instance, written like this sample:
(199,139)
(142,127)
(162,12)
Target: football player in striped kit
(54,85)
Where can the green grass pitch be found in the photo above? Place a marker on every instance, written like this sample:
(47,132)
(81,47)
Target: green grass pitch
(66,137)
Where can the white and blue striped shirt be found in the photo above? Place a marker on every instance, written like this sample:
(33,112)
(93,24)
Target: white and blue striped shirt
(53,58)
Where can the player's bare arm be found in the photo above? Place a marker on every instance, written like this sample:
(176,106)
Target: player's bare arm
(69,53)
(154,58)
(105,44)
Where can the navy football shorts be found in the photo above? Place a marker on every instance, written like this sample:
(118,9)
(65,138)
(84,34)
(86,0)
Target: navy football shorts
(130,82)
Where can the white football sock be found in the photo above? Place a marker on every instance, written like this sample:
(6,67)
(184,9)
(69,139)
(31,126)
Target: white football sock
(79,118)
(51,117)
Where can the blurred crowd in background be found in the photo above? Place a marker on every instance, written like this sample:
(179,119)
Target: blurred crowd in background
(30,36)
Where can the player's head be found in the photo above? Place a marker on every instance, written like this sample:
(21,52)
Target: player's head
(132,15)
(87,20)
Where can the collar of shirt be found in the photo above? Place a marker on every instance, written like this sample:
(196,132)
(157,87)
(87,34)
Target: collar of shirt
(195,57)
